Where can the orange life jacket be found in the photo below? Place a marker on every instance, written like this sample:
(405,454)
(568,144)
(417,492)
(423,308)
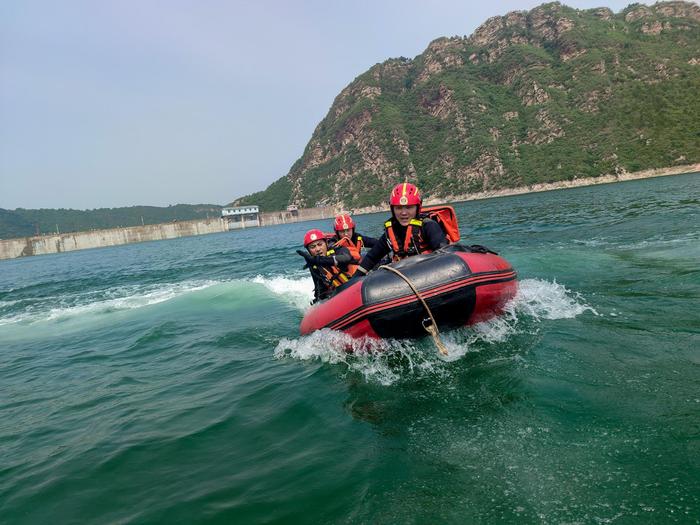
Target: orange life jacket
(447,219)
(413,242)
(353,248)
(333,276)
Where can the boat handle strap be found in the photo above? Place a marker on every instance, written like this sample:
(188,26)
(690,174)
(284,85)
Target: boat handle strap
(432,329)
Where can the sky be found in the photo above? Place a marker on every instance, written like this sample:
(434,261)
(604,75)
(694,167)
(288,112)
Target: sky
(134,102)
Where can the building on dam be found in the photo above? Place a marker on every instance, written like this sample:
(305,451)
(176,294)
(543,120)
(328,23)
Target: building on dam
(237,217)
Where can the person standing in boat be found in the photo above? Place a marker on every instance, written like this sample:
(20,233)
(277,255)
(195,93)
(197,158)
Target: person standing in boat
(407,232)
(348,237)
(330,268)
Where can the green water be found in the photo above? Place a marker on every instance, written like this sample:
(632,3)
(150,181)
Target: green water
(166,382)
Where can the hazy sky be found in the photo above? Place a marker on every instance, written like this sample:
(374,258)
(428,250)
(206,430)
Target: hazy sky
(118,102)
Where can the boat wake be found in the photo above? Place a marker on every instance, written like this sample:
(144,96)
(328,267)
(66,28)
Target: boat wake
(386,361)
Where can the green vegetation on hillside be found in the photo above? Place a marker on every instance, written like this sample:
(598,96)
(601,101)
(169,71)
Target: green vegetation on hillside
(275,197)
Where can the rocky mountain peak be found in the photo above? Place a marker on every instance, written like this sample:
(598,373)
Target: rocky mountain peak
(678,10)
(675,9)
(602,13)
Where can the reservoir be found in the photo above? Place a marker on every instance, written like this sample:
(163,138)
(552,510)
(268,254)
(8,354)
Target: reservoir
(166,382)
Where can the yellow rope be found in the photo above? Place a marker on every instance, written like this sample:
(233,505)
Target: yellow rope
(433,328)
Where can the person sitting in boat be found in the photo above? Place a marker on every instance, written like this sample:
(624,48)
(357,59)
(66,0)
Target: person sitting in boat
(330,268)
(347,236)
(406,233)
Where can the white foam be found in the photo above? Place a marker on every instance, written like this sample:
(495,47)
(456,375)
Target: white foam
(382,361)
(547,300)
(298,292)
(121,298)
(536,299)
(388,361)
(139,299)
(4,304)
(456,347)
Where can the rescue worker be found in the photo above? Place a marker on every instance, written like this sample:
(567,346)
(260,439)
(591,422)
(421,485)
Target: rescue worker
(347,236)
(406,233)
(330,268)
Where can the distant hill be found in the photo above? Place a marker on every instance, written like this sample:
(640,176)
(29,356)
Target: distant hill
(551,94)
(22,222)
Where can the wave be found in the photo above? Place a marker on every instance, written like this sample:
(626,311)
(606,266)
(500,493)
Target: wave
(375,359)
(7,304)
(386,361)
(664,241)
(297,292)
(114,299)
(542,299)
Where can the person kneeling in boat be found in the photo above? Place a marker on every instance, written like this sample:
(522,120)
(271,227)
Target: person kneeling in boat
(406,233)
(330,268)
(347,236)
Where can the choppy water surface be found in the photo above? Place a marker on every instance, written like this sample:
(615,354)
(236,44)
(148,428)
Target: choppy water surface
(166,381)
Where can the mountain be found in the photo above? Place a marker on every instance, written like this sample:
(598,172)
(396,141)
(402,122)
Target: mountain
(551,94)
(24,222)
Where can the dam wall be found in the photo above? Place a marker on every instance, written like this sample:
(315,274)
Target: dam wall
(66,242)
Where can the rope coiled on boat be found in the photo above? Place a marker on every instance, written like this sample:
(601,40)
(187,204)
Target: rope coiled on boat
(432,329)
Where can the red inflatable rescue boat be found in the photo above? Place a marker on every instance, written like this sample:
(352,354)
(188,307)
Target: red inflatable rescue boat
(460,285)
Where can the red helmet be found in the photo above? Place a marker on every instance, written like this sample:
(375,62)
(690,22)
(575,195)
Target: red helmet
(313,235)
(405,194)
(343,222)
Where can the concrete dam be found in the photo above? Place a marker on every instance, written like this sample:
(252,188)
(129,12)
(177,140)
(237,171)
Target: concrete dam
(66,242)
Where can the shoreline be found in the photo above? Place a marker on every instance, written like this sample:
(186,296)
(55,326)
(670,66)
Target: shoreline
(58,243)
(549,186)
